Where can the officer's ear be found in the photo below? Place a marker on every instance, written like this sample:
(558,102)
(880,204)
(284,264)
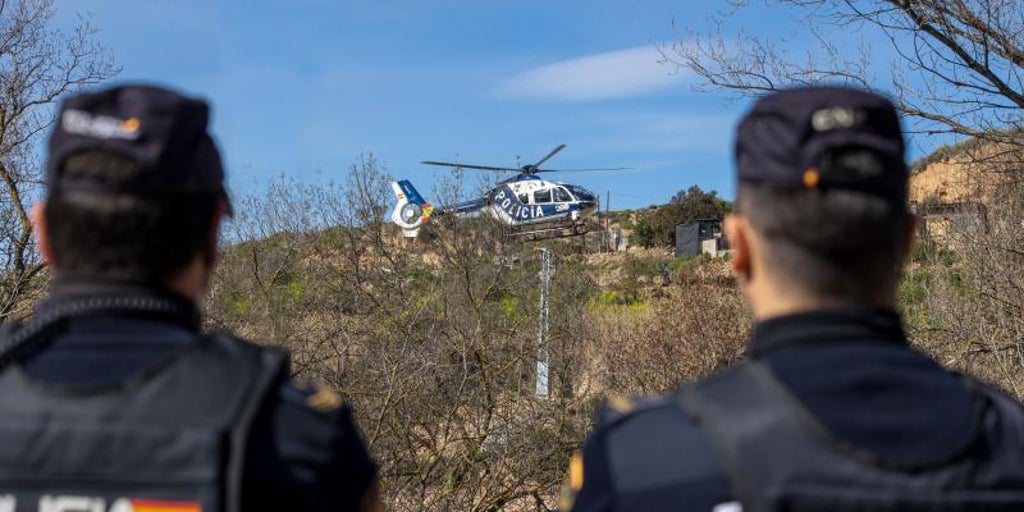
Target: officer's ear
(42,233)
(737,230)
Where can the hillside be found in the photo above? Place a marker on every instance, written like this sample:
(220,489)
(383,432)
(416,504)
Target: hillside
(972,170)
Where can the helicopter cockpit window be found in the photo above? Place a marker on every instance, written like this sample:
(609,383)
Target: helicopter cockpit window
(524,198)
(581,193)
(542,196)
(562,195)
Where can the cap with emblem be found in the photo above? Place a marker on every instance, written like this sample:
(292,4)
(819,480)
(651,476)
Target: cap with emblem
(159,129)
(821,138)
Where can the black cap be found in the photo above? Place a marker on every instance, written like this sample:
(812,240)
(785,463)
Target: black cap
(159,129)
(808,137)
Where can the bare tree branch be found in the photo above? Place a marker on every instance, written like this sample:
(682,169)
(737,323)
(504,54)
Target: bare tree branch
(38,64)
(958,67)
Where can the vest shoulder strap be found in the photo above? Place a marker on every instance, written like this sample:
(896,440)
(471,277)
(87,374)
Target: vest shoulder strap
(712,403)
(273,363)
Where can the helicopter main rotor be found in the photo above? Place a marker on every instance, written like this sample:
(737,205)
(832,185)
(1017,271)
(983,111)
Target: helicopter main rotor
(526,169)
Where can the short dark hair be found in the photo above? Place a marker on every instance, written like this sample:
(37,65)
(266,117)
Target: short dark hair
(833,243)
(128,237)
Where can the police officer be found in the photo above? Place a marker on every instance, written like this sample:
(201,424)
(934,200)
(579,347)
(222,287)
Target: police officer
(111,398)
(832,410)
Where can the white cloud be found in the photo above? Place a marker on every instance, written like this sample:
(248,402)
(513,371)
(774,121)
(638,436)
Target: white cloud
(657,130)
(618,74)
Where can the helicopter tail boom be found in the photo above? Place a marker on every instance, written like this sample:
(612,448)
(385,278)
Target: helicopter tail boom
(411,211)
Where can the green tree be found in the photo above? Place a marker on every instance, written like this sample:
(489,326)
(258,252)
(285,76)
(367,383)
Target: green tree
(657,228)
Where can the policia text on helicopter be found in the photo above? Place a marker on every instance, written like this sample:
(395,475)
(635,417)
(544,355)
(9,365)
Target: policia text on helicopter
(111,399)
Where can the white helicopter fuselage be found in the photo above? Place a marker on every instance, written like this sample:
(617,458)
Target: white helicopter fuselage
(520,201)
(531,200)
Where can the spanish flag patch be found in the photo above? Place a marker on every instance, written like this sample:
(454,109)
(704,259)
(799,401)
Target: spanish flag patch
(165,506)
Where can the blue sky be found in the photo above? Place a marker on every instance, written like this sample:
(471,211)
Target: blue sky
(303,87)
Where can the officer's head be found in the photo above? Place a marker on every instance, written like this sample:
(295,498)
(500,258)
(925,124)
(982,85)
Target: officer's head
(135,190)
(821,213)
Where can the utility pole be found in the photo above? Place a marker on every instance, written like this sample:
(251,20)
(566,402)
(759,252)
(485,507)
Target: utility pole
(607,219)
(543,364)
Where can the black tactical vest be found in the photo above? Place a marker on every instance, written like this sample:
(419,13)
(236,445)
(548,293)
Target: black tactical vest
(781,459)
(170,440)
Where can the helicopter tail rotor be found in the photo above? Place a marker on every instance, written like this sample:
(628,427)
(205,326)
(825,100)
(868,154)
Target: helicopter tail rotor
(411,211)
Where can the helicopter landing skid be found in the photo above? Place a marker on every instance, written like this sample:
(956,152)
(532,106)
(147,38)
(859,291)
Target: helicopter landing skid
(550,232)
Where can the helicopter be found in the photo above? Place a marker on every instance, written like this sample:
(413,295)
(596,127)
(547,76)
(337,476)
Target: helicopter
(533,207)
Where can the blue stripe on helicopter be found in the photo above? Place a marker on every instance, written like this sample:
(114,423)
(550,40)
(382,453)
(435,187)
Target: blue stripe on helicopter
(410,192)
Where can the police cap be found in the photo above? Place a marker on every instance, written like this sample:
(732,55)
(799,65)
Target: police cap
(821,138)
(162,131)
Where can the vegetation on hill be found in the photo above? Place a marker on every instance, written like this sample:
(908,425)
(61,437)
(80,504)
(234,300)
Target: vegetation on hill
(435,341)
(656,227)
(963,292)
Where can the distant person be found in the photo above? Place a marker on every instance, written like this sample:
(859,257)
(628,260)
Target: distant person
(833,410)
(111,399)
